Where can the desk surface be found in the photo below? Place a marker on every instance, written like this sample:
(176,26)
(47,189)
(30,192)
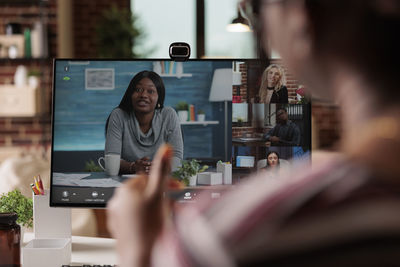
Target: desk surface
(89,179)
(89,250)
(250,141)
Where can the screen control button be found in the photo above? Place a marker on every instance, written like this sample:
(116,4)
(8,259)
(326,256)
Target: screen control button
(65,194)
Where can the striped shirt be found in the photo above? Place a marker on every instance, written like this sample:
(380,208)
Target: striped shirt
(263,218)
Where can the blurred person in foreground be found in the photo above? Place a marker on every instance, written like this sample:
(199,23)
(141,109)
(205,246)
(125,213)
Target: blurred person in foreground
(341,212)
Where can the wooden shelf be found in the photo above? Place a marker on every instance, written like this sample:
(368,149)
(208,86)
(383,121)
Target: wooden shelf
(176,75)
(24,59)
(204,123)
(22,2)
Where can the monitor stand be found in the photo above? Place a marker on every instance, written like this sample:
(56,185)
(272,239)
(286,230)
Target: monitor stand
(51,245)
(49,222)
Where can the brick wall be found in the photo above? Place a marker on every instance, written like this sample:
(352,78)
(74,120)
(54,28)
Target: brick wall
(34,131)
(86,15)
(327,126)
(28,14)
(29,131)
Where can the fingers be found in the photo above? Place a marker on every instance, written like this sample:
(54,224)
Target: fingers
(159,171)
(143,165)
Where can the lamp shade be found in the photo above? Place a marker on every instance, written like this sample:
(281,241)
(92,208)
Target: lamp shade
(221,86)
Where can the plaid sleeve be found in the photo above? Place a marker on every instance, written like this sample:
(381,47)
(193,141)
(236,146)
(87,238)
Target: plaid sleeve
(227,231)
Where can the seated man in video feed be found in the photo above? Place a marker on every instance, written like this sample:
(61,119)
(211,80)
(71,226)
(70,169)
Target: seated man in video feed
(285,132)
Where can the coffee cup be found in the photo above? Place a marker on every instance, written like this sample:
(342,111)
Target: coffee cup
(111,163)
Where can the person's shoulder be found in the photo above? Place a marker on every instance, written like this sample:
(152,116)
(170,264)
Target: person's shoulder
(118,113)
(167,112)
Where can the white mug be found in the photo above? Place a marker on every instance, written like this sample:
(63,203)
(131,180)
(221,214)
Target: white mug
(112,162)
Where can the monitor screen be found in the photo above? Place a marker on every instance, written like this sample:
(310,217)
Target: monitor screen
(211,111)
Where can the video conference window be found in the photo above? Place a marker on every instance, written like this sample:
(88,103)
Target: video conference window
(208,110)
(271,125)
(93,127)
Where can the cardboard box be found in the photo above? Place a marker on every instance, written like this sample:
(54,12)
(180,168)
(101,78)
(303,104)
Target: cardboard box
(226,170)
(209,178)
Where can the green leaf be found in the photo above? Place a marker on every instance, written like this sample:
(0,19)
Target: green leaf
(14,201)
(91,166)
(188,169)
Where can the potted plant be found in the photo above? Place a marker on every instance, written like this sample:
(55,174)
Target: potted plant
(201,115)
(15,202)
(240,121)
(187,173)
(91,166)
(120,28)
(182,109)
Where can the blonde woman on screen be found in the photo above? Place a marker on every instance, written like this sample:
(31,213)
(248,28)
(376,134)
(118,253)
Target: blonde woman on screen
(273,85)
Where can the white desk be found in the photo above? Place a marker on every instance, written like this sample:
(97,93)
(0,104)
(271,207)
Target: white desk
(88,250)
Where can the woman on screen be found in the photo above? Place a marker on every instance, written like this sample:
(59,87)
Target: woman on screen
(140,124)
(271,166)
(272,160)
(273,85)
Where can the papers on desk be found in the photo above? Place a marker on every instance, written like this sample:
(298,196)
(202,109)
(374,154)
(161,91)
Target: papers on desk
(76,179)
(68,179)
(106,182)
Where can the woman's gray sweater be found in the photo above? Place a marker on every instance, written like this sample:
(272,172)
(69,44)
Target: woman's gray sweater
(124,136)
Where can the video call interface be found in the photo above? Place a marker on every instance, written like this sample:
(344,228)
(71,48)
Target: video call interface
(235,118)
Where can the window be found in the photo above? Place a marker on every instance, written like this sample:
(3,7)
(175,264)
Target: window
(218,41)
(163,23)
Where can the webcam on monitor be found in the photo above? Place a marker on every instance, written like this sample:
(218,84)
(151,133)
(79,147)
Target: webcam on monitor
(179,51)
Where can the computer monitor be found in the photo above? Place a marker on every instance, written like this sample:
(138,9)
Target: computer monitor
(85,92)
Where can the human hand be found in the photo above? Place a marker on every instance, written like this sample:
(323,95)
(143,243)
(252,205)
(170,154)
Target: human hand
(274,139)
(143,165)
(137,211)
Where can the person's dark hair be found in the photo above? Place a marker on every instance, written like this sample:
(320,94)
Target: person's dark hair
(126,102)
(277,154)
(281,108)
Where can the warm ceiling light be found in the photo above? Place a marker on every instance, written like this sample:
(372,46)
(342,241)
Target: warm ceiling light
(239,24)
